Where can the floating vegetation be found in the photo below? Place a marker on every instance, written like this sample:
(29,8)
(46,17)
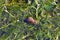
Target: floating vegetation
(29,19)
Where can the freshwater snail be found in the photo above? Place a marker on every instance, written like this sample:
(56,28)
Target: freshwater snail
(30,20)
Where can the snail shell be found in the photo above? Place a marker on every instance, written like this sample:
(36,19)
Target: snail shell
(31,20)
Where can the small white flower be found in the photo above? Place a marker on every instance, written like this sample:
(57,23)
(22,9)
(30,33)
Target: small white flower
(6,11)
(29,1)
(58,14)
(17,20)
(54,3)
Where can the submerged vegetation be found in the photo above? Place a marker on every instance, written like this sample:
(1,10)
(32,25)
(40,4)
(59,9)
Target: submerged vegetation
(14,12)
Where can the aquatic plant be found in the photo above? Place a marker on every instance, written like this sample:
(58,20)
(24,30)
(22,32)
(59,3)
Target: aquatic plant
(14,15)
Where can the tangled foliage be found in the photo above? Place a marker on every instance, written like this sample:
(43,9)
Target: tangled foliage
(13,13)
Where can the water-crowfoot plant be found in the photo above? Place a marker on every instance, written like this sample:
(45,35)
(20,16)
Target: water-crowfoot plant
(14,24)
